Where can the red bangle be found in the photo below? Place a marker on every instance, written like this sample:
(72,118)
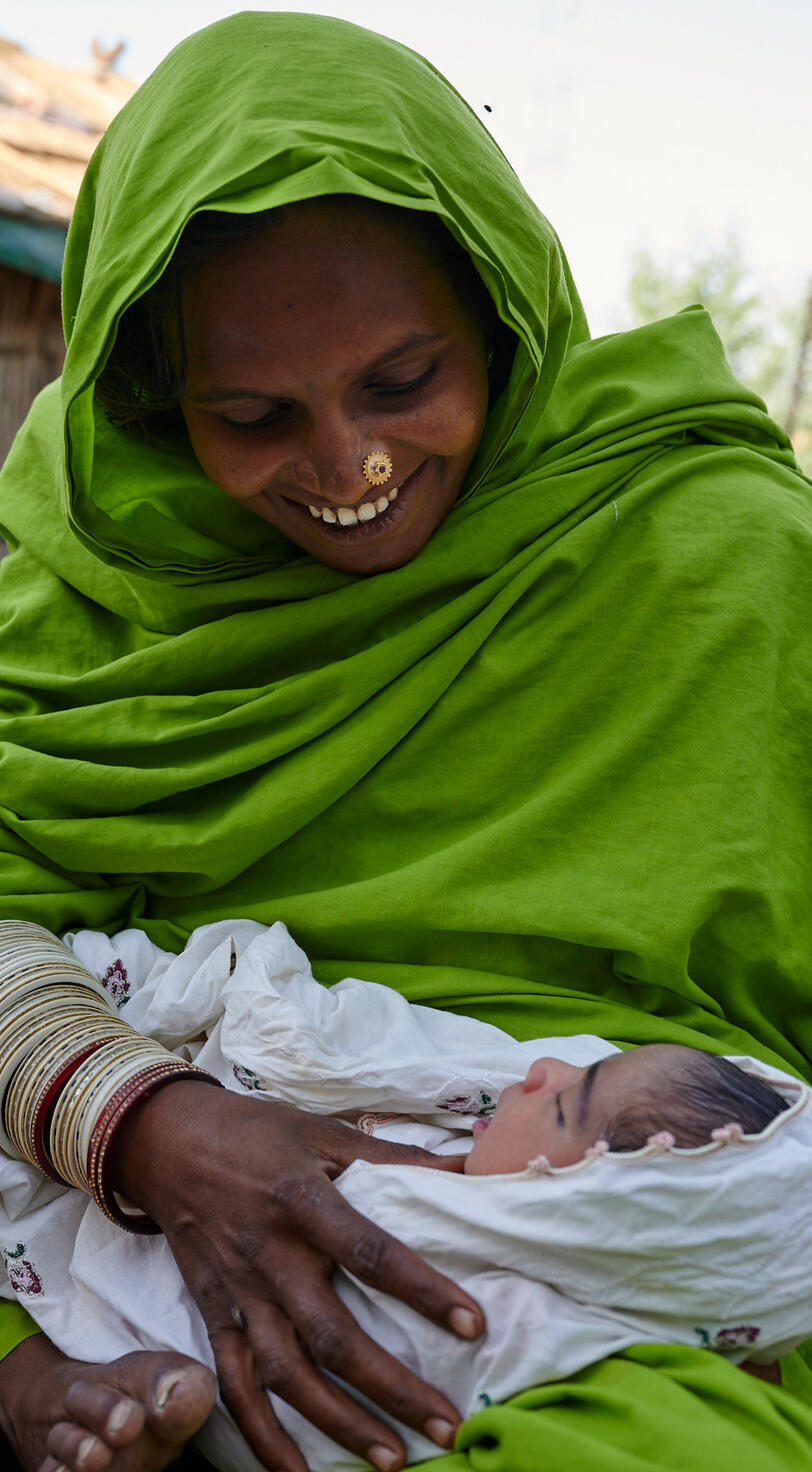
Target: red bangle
(41,1117)
(147,1082)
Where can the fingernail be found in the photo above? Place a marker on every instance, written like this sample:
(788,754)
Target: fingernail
(119,1416)
(166,1386)
(84,1450)
(383,1457)
(462,1321)
(440,1431)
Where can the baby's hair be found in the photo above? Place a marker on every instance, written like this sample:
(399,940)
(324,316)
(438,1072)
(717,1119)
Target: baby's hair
(695,1093)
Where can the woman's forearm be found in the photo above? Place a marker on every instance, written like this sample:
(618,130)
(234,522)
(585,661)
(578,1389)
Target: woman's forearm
(74,1067)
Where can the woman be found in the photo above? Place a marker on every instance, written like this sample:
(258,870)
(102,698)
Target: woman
(525,743)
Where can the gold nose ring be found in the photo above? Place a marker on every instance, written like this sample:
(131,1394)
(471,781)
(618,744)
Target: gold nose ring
(377,467)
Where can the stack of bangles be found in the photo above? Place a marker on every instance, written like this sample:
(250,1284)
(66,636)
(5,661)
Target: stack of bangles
(70,1069)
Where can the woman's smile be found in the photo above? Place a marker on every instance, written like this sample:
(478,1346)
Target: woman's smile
(376,515)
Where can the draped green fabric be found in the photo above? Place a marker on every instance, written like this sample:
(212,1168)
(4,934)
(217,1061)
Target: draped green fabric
(549,773)
(702,1413)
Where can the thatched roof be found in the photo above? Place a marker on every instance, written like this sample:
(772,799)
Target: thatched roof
(51,118)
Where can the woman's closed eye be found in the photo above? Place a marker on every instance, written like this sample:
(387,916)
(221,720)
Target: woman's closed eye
(279,412)
(409,387)
(270,417)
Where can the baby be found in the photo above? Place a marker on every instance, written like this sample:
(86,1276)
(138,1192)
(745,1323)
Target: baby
(611,1198)
(558,1111)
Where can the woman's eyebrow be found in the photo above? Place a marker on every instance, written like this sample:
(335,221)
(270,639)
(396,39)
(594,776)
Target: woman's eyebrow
(220,393)
(586,1090)
(417,340)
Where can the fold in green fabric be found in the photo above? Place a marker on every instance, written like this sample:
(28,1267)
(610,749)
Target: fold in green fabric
(656,1408)
(550,773)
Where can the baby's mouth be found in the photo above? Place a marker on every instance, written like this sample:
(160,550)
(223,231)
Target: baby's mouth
(480,1125)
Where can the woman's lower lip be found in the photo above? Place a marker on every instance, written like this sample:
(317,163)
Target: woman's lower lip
(384,522)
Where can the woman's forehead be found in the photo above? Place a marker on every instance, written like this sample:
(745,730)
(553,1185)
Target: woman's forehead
(342,233)
(299,282)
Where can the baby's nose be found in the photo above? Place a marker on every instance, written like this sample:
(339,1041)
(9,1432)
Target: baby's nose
(553,1073)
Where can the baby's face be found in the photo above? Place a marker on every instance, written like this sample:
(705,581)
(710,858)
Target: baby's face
(558,1110)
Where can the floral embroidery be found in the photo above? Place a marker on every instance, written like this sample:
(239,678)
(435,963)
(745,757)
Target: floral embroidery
(484,1399)
(734,1338)
(478,1104)
(22,1274)
(116,982)
(248,1078)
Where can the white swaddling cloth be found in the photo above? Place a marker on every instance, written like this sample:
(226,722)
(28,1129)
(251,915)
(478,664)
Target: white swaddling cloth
(700,1247)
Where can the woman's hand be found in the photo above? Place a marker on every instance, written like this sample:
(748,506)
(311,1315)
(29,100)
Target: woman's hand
(243,1190)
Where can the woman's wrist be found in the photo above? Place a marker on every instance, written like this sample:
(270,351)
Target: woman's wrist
(139,1160)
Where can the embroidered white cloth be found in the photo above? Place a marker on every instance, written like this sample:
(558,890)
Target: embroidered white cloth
(707,1246)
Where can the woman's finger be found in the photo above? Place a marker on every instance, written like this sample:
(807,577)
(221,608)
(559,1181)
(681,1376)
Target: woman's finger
(245,1399)
(346,1237)
(336,1343)
(281,1362)
(311,1331)
(341,1145)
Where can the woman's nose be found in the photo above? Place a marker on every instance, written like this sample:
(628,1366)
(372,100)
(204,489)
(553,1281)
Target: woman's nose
(330,466)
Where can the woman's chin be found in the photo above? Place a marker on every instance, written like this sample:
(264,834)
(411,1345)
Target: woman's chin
(362,559)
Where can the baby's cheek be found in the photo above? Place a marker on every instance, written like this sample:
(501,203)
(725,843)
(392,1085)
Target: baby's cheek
(471,1166)
(492,1156)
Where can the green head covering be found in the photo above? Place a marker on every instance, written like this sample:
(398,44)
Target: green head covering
(551,772)
(535,772)
(240,118)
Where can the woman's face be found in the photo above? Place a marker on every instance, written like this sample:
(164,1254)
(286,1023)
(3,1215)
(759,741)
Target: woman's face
(333,333)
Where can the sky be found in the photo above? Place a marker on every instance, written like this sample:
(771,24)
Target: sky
(666,125)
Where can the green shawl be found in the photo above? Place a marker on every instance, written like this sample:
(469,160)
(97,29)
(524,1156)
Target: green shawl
(549,773)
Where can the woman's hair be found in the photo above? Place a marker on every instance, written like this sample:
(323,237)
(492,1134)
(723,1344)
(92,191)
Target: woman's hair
(142,382)
(697,1094)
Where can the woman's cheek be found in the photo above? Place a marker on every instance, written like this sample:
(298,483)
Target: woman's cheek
(450,427)
(232,462)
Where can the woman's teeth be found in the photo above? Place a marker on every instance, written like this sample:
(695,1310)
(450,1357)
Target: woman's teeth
(345,516)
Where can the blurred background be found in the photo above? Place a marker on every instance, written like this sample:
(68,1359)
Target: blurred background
(667,140)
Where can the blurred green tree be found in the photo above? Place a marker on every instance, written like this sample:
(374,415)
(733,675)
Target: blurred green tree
(768,343)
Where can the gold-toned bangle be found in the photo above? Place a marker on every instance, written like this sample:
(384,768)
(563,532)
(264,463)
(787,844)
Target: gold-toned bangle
(70,1068)
(85,1093)
(31,956)
(36,1017)
(33,1078)
(39,1123)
